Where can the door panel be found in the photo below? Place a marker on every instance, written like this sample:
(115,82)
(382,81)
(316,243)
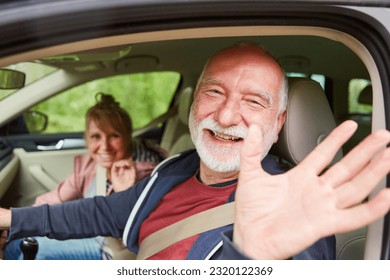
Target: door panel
(39,172)
(8,173)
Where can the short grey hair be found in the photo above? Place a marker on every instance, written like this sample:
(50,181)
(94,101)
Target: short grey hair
(283,93)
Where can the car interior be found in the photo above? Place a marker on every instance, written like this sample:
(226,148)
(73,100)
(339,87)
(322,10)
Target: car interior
(321,65)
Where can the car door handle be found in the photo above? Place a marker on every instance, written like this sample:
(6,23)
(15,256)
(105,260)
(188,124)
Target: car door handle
(63,144)
(57,146)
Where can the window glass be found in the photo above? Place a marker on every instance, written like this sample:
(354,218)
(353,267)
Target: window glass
(356,87)
(316,77)
(144,95)
(319,78)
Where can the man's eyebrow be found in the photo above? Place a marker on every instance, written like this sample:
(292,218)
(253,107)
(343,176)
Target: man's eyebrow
(210,81)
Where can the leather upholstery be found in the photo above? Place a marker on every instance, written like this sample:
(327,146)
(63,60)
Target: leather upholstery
(309,120)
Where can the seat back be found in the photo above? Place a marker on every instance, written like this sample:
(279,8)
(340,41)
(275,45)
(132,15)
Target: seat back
(176,137)
(309,120)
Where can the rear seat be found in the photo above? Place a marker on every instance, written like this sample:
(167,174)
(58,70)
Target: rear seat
(176,136)
(363,120)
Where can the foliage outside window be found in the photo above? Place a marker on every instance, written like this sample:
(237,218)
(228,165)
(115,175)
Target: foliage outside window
(144,95)
(355,88)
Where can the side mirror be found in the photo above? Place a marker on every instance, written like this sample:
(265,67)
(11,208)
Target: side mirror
(12,79)
(35,121)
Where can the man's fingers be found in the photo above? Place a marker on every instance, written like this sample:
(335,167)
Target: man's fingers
(364,182)
(357,158)
(252,151)
(363,214)
(324,153)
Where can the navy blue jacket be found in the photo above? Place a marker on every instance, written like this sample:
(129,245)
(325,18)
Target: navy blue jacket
(121,214)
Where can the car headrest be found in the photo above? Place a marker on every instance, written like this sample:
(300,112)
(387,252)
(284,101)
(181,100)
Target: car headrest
(365,96)
(309,120)
(186,97)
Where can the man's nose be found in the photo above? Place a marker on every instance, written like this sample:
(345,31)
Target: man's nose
(228,113)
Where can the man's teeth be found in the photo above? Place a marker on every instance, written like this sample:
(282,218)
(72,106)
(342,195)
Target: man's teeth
(226,137)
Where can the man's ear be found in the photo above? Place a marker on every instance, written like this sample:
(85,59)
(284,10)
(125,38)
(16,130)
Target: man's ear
(281,120)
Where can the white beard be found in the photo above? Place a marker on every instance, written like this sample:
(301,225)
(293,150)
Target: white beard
(223,158)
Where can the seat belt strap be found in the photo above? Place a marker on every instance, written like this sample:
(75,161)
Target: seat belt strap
(101,180)
(112,248)
(195,224)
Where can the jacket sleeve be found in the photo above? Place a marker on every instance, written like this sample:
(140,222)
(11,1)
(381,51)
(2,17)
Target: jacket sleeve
(323,249)
(72,187)
(229,249)
(104,216)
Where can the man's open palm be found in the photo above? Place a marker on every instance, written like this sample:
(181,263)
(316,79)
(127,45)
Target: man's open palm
(278,216)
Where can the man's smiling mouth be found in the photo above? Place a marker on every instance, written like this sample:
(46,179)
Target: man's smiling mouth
(225,137)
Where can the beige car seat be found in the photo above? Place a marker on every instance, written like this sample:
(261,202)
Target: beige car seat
(309,120)
(176,137)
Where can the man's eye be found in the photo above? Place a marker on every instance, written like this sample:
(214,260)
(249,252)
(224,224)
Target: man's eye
(255,103)
(214,92)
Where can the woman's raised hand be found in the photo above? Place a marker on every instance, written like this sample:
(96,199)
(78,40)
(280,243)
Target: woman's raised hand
(123,174)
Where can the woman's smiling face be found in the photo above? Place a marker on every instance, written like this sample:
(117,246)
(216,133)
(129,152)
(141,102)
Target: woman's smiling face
(105,147)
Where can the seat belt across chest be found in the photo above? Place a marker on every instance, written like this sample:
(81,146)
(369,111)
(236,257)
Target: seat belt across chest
(198,223)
